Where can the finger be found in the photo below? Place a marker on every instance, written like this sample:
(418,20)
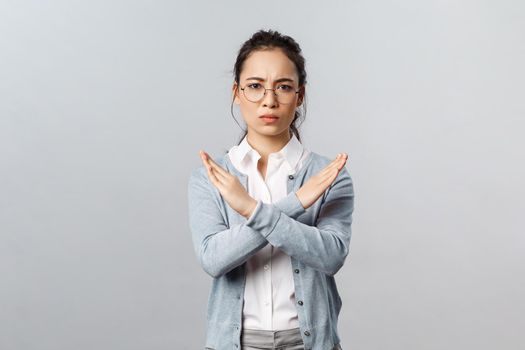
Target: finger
(328,174)
(339,168)
(334,164)
(219,169)
(218,175)
(219,172)
(329,178)
(209,169)
(204,160)
(331,173)
(341,161)
(338,159)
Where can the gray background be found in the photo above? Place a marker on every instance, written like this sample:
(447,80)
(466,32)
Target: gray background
(105,104)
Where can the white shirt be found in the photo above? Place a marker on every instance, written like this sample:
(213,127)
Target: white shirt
(269,294)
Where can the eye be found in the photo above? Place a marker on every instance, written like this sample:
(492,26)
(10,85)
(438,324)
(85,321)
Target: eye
(285,87)
(254,86)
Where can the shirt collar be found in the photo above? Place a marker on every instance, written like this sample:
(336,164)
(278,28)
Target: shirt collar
(244,155)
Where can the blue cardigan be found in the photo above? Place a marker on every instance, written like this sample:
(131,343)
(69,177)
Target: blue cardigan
(317,239)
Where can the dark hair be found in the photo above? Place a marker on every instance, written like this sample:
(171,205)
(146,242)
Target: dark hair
(267,40)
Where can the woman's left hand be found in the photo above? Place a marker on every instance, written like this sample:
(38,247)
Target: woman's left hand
(229,187)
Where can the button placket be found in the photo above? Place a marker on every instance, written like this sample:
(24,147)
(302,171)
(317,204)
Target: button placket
(265,194)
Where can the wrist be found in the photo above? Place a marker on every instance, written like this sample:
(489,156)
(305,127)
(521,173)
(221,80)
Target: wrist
(251,207)
(300,196)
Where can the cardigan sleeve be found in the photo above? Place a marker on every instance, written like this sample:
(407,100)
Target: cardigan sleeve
(289,205)
(324,246)
(221,247)
(218,246)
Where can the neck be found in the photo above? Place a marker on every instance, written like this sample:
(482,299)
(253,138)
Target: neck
(266,144)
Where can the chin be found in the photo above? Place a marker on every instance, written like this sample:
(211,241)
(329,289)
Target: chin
(270,130)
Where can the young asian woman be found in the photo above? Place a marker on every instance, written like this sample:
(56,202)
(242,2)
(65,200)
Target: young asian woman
(271,219)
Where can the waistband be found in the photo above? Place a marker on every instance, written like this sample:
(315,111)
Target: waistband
(270,339)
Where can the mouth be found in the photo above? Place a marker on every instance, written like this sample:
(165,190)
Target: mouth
(269,118)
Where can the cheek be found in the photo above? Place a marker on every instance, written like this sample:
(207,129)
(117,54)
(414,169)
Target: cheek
(291,112)
(249,111)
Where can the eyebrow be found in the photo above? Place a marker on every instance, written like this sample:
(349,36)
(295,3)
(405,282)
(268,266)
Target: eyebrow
(277,80)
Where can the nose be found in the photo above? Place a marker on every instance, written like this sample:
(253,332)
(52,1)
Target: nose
(269,99)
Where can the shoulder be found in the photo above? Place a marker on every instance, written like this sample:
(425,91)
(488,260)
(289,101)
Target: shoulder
(318,159)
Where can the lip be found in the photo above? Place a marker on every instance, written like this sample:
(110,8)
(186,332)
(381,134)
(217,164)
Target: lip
(269,118)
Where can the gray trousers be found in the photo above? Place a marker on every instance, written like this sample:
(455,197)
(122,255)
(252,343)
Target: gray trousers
(290,339)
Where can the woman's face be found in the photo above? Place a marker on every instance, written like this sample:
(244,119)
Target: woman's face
(266,68)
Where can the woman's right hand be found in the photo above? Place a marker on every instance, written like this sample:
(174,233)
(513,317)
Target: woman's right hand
(317,184)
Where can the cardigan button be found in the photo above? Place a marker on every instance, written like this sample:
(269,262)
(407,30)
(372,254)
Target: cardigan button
(296,270)
(306,333)
(300,302)
(290,177)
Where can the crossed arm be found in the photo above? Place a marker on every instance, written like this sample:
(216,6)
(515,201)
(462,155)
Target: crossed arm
(220,247)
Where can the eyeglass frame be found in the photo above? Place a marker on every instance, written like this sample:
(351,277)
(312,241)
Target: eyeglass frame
(259,100)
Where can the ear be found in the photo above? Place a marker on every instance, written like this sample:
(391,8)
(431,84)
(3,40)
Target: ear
(235,93)
(302,91)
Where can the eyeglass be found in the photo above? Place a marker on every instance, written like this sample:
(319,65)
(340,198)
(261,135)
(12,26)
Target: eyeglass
(255,92)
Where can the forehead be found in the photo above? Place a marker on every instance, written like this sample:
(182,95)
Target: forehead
(268,64)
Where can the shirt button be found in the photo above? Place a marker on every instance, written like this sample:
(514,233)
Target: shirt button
(296,270)
(290,177)
(266,267)
(300,302)
(306,333)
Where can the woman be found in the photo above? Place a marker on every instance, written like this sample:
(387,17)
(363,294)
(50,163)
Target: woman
(270,220)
